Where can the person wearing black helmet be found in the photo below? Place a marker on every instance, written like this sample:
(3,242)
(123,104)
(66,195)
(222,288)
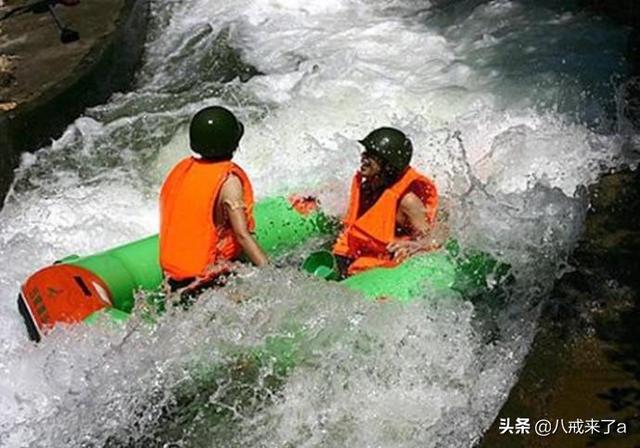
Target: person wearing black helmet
(392,207)
(206,206)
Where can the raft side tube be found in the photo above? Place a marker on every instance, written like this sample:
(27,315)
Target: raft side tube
(75,288)
(126,268)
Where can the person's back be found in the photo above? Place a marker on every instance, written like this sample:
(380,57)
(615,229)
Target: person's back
(206,206)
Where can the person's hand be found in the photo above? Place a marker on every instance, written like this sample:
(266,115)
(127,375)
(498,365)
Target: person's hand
(401,250)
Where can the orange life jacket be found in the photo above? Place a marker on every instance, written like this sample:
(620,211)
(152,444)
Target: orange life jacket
(190,241)
(365,238)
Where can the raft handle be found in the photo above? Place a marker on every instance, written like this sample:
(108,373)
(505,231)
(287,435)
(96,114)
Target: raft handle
(85,290)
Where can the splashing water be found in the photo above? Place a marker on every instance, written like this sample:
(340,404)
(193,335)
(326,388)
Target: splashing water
(510,124)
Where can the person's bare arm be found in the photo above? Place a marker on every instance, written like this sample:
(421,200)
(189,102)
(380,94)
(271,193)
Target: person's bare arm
(415,213)
(231,197)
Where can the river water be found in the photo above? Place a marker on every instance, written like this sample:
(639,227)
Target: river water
(513,108)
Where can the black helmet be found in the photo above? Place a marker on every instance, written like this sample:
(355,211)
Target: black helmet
(390,145)
(215,132)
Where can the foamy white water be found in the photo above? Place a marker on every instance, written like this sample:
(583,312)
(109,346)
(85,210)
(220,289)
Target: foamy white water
(510,133)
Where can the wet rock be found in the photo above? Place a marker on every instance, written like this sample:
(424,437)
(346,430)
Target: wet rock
(626,12)
(585,361)
(7,78)
(219,62)
(631,93)
(52,83)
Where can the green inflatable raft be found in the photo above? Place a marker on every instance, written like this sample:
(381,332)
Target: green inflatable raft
(75,288)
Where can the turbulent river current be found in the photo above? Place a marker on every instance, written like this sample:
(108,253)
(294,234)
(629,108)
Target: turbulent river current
(513,108)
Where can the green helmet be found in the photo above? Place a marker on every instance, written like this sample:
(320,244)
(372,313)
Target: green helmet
(390,145)
(215,132)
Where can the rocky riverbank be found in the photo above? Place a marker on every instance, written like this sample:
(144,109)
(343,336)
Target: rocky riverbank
(45,84)
(585,361)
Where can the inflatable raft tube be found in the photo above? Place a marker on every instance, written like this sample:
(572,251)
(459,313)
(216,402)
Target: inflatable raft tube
(75,288)
(470,273)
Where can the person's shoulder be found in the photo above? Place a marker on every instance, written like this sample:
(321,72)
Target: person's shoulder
(423,186)
(410,200)
(232,185)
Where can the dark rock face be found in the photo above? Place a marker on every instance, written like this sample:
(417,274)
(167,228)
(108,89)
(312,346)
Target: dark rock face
(632,91)
(585,361)
(632,88)
(626,12)
(53,83)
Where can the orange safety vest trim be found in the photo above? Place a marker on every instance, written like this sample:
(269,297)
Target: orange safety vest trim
(365,238)
(189,239)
